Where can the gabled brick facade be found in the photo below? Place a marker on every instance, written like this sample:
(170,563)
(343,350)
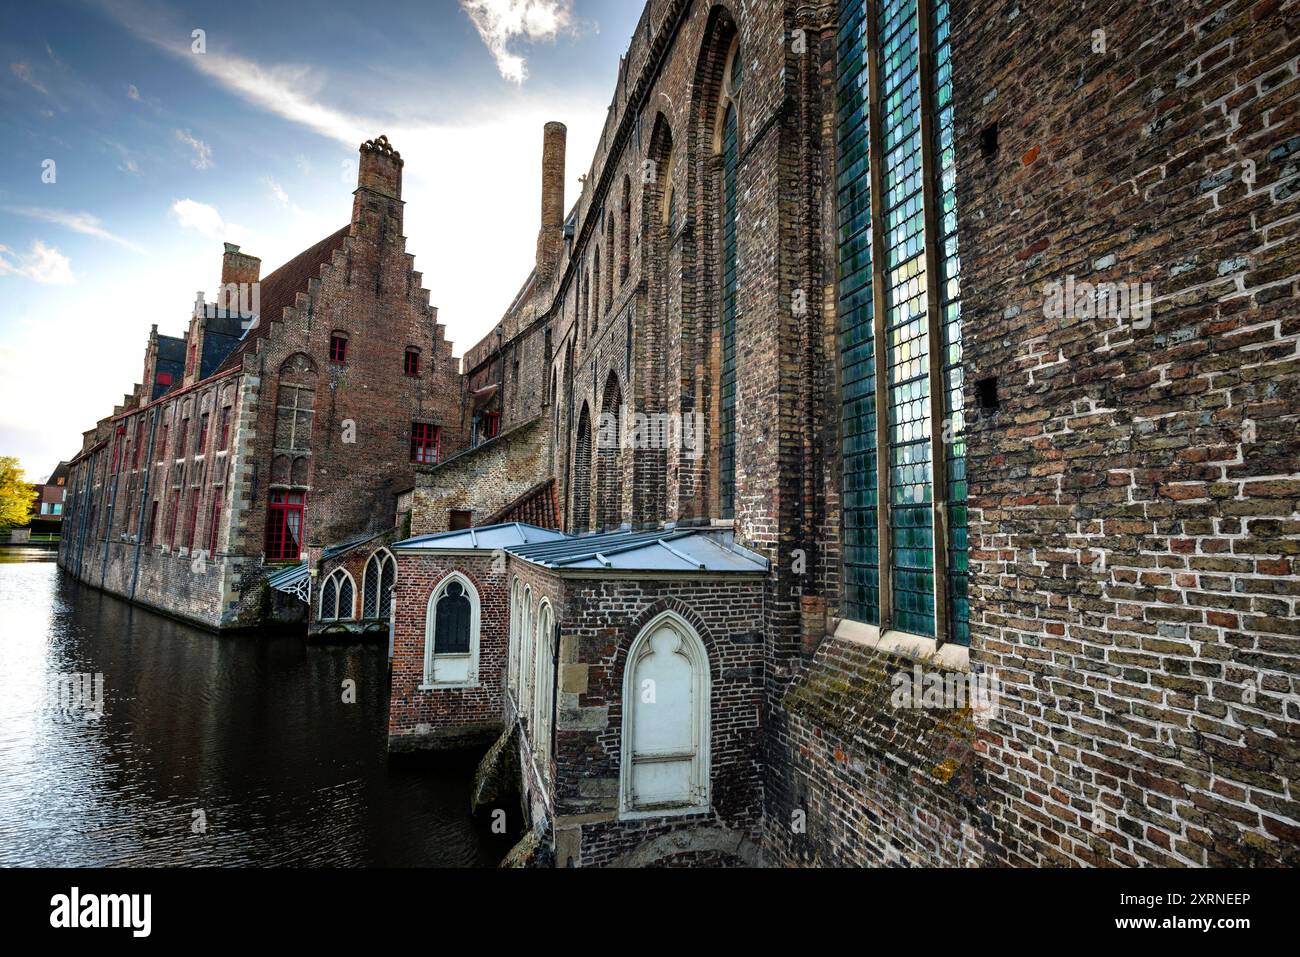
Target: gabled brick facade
(282,416)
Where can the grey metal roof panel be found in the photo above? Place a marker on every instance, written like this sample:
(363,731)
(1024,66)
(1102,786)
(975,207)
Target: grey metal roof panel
(490,538)
(666,550)
(285,579)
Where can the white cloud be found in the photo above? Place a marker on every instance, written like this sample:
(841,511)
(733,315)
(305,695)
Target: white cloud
(132,93)
(202,151)
(281,197)
(24,73)
(490,156)
(205,220)
(278,192)
(83,223)
(44,264)
(500,21)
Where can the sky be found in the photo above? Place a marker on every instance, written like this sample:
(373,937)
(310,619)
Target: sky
(132,148)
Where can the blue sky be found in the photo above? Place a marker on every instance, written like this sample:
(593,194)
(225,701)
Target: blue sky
(160,154)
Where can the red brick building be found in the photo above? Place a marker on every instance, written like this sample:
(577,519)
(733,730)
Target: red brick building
(304,405)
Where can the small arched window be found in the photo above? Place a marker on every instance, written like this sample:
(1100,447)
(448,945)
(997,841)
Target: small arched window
(336,597)
(452,634)
(665,746)
(377,586)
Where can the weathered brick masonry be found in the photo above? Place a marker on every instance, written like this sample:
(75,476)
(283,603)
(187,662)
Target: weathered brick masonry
(421,717)
(1125,492)
(862,245)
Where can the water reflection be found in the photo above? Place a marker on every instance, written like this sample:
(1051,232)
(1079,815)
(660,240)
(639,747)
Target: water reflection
(250,731)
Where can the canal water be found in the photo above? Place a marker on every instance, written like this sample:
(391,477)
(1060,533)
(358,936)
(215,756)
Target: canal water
(202,749)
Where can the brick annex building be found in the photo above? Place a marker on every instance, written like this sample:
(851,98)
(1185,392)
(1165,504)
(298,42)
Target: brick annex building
(969,338)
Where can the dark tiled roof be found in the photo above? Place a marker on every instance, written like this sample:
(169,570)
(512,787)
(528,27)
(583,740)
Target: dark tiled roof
(535,507)
(281,288)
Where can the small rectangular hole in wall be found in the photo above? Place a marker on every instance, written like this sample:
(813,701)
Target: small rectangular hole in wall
(989,141)
(986,394)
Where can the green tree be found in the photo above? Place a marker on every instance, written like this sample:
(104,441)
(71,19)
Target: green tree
(16,496)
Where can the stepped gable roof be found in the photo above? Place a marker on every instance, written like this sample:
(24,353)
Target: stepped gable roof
(281,288)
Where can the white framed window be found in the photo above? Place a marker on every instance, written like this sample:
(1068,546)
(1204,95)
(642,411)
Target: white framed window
(665,741)
(336,597)
(526,652)
(452,634)
(512,661)
(544,669)
(377,586)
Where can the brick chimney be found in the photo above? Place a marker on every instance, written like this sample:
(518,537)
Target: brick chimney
(377,202)
(380,168)
(237,269)
(550,239)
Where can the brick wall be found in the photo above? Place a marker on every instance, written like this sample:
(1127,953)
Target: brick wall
(1135,497)
(447,717)
(483,480)
(599,621)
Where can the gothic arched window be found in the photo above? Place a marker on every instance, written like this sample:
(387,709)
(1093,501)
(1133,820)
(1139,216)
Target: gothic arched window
(452,634)
(336,597)
(377,586)
(665,741)
(544,700)
(730,150)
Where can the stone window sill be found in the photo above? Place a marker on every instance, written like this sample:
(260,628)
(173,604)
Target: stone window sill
(952,657)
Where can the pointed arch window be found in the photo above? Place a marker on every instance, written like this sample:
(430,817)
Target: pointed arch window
(544,697)
(377,586)
(451,644)
(729,147)
(525,651)
(336,597)
(512,664)
(665,740)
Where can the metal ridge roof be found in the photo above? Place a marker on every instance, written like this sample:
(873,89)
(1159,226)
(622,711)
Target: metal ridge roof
(654,550)
(490,537)
(657,550)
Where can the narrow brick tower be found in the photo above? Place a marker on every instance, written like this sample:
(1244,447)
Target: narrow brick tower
(550,239)
(377,213)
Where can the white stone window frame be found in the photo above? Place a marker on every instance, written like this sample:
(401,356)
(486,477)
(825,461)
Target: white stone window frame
(512,663)
(701,723)
(337,576)
(543,683)
(526,676)
(379,560)
(430,624)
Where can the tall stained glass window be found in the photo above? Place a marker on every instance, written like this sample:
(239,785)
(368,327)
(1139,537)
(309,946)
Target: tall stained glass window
(904,545)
